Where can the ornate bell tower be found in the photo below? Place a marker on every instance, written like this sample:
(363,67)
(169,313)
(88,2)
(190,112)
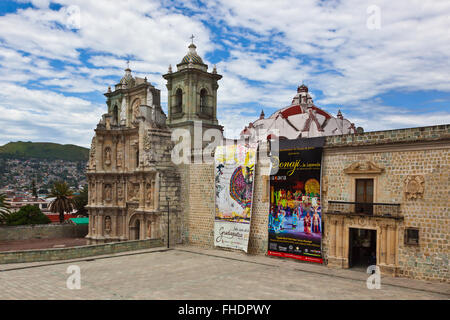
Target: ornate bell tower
(192,93)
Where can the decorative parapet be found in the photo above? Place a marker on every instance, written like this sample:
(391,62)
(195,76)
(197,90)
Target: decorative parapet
(409,135)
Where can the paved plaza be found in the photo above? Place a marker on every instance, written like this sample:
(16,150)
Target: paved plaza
(193,273)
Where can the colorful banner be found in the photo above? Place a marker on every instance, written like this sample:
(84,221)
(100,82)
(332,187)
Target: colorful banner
(235,167)
(295,218)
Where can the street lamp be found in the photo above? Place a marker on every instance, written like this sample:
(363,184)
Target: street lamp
(168,222)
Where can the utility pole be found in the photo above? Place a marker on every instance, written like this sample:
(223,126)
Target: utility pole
(168,222)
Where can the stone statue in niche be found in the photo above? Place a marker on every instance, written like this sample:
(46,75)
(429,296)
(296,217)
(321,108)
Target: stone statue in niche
(107,224)
(108,195)
(414,187)
(108,156)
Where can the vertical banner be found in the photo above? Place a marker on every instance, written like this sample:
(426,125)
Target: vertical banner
(295,228)
(234,175)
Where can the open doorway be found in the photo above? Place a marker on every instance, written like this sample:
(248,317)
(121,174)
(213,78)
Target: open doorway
(362,248)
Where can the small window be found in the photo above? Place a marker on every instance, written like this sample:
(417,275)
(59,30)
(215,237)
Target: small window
(179,101)
(115,115)
(412,236)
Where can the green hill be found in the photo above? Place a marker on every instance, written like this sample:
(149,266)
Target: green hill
(44,150)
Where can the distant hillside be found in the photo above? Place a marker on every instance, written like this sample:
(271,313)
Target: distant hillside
(44,150)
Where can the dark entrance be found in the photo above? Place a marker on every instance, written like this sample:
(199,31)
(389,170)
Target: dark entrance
(362,248)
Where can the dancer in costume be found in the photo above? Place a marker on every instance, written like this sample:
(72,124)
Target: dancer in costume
(307,223)
(316,222)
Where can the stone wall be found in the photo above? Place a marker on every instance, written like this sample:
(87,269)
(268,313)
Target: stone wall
(401,153)
(76,252)
(46,231)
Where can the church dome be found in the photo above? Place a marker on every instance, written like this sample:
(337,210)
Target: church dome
(127,79)
(192,55)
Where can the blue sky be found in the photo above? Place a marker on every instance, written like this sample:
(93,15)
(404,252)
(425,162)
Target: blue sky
(57,58)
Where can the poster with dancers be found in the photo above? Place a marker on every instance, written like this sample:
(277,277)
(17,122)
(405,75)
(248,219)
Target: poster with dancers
(234,176)
(295,217)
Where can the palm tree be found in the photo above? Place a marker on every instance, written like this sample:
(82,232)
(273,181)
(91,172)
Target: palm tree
(81,201)
(63,201)
(4,208)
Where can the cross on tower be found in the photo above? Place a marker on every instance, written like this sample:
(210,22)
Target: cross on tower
(128,64)
(192,38)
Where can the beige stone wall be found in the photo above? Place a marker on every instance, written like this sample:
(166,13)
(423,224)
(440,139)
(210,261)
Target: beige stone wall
(429,213)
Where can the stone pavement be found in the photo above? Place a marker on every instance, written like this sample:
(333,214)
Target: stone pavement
(193,273)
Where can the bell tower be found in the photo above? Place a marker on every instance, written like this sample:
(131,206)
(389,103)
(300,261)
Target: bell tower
(192,93)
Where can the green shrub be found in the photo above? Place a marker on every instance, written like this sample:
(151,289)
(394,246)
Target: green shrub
(28,214)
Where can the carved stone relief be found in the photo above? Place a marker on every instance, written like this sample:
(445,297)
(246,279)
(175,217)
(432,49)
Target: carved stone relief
(119,155)
(414,187)
(108,192)
(363,168)
(92,154)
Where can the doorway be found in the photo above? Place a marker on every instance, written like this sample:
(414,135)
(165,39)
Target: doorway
(362,248)
(135,230)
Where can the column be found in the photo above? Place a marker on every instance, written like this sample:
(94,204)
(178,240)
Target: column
(142,227)
(388,245)
(332,240)
(339,239)
(383,243)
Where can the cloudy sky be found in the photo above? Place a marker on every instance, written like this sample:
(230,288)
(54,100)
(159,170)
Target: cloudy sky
(385,64)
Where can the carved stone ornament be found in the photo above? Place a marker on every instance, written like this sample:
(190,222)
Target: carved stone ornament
(119,155)
(366,167)
(92,154)
(120,192)
(414,187)
(147,142)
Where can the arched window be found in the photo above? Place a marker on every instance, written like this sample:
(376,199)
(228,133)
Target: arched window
(178,101)
(203,101)
(204,108)
(115,115)
(137,159)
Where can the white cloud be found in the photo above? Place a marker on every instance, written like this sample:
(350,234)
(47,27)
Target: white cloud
(271,48)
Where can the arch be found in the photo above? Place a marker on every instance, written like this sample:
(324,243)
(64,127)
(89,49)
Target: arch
(135,229)
(134,110)
(178,101)
(203,98)
(204,107)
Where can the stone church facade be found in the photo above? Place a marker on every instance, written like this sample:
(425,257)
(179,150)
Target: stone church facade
(133,182)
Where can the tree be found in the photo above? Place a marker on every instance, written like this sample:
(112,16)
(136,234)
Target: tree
(81,200)
(29,214)
(4,208)
(63,201)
